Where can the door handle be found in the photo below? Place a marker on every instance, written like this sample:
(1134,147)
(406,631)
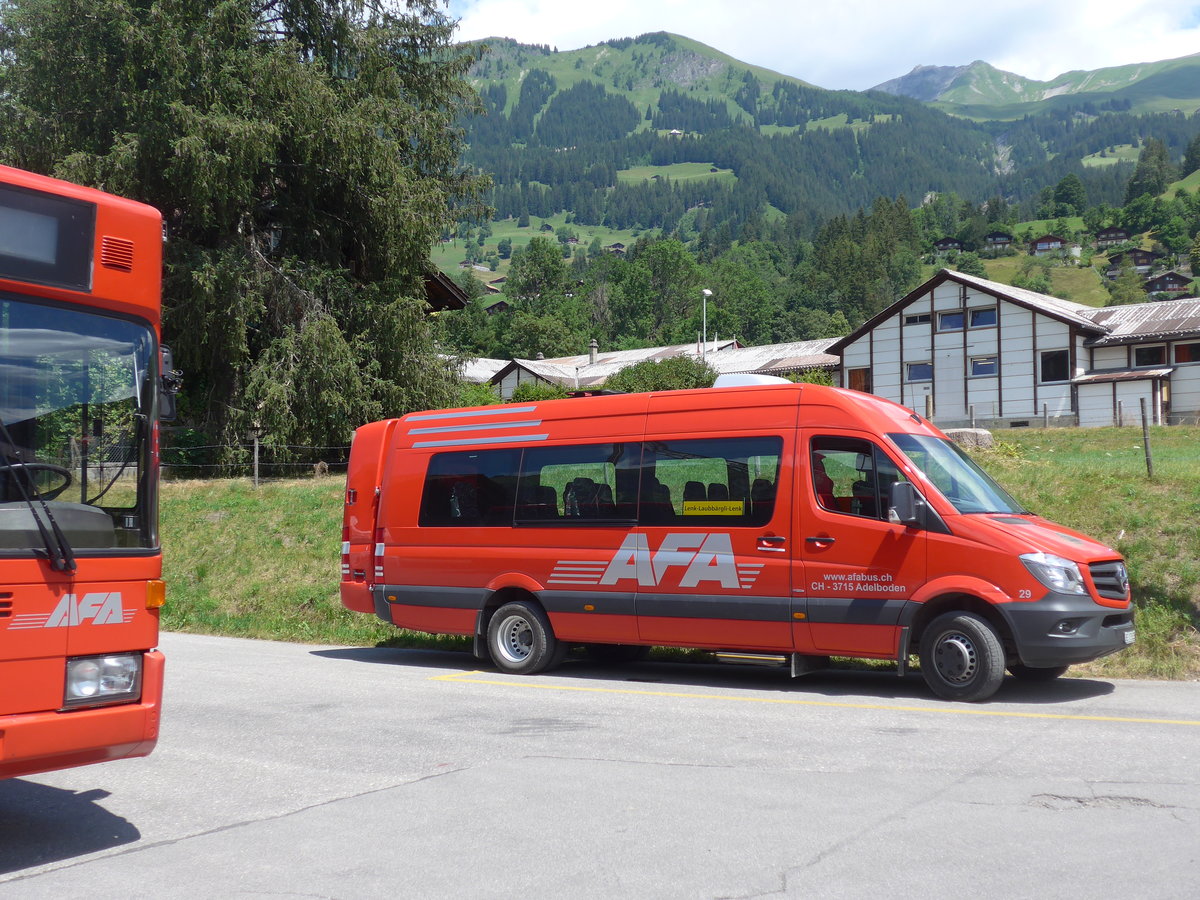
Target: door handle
(771,543)
(820,539)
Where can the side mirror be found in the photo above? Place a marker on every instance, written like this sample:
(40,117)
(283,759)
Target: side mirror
(169,383)
(903,504)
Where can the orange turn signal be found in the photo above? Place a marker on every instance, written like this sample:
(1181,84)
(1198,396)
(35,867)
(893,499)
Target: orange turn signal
(156,594)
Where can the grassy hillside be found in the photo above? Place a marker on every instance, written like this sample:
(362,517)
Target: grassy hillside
(264,563)
(984,92)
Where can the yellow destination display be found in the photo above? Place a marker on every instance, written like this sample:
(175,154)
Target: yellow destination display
(714,507)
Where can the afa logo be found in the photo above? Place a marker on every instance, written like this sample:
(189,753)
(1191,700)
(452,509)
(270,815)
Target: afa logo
(98,608)
(694,558)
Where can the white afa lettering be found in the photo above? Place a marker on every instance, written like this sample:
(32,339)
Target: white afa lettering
(703,557)
(101,607)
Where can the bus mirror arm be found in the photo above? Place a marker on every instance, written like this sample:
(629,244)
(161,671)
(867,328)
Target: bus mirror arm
(169,384)
(903,504)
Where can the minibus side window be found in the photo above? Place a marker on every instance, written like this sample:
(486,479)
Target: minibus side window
(710,481)
(852,476)
(572,485)
(472,487)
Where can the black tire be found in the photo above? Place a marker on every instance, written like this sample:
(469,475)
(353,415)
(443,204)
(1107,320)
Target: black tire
(614,654)
(1031,673)
(961,657)
(521,641)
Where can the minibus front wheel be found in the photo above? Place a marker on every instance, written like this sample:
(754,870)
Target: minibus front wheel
(521,641)
(962,657)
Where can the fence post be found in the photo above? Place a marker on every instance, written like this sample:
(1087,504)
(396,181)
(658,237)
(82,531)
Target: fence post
(256,457)
(929,407)
(972,415)
(1120,413)
(1146,439)
(1045,415)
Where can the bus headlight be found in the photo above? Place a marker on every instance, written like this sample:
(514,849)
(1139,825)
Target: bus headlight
(1054,572)
(97,680)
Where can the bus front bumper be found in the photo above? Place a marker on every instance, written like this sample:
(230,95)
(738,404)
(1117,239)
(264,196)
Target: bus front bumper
(44,741)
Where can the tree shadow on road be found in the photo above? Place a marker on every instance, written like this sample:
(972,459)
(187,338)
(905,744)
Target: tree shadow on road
(40,824)
(832,683)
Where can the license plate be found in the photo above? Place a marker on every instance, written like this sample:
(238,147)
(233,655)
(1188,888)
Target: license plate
(1129,636)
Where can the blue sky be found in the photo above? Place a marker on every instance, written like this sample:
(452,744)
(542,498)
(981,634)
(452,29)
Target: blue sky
(857,44)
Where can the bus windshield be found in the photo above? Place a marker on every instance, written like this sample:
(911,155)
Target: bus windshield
(966,486)
(77,396)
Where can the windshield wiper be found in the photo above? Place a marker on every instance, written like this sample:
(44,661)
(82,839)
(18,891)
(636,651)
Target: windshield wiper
(58,549)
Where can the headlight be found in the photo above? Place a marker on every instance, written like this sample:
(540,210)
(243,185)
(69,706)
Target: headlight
(1054,572)
(96,680)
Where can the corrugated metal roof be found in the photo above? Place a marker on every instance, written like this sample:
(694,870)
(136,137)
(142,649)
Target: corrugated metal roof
(1144,321)
(776,358)
(1063,309)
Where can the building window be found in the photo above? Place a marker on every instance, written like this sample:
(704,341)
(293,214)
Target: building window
(950,321)
(983,318)
(1187,353)
(918,319)
(859,380)
(1056,365)
(983,365)
(1155,355)
(920,371)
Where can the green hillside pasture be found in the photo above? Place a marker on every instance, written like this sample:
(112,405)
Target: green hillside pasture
(1080,284)
(264,562)
(686,171)
(1112,156)
(448,257)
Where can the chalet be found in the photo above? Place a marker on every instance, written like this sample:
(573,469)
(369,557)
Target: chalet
(946,244)
(618,248)
(964,349)
(1140,260)
(442,293)
(998,240)
(1110,237)
(1168,283)
(1048,244)
(494,307)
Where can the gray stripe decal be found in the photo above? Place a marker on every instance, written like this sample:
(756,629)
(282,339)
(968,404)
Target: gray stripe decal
(618,603)
(443,597)
(503,411)
(533,423)
(693,606)
(507,439)
(853,611)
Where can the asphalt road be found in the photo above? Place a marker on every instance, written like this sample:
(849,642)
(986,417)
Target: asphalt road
(300,771)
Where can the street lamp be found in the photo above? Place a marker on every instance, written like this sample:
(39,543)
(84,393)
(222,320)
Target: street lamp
(704,322)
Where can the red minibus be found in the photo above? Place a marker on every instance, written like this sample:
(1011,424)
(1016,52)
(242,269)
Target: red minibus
(770,523)
(80,382)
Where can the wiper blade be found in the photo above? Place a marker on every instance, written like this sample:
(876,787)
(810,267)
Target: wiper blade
(58,548)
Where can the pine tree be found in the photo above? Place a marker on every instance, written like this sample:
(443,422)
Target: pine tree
(249,124)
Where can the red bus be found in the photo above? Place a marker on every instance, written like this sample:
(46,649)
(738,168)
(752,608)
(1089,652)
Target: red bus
(770,523)
(80,384)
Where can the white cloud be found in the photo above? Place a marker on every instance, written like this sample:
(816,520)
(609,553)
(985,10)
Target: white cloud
(859,43)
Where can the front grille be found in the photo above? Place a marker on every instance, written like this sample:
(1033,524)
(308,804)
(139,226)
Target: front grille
(1110,579)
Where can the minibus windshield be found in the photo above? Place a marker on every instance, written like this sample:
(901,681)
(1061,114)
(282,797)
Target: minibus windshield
(966,486)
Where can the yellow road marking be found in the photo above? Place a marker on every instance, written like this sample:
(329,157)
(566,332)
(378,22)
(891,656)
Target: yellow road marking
(467,678)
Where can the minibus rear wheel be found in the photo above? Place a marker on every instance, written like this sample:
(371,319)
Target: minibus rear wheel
(521,640)
(962,657)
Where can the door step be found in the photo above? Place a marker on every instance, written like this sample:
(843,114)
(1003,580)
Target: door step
(800,664)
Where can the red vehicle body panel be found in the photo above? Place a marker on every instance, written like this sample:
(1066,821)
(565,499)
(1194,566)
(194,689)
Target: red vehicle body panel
(106,605)
(809,580)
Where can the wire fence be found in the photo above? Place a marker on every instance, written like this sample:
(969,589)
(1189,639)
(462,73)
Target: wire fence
(250,460)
